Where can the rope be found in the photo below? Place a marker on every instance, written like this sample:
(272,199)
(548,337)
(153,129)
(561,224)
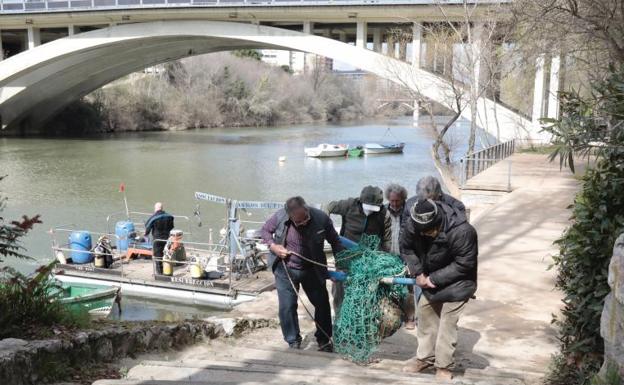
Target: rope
(329,338)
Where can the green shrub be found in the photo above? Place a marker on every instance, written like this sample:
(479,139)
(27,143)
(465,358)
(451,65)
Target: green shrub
(593,127)
(28,304)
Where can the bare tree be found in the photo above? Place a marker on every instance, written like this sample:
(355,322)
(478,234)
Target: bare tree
(590,33)
(463,48)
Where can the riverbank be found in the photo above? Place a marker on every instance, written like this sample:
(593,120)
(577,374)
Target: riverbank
(222,90)
(505,336)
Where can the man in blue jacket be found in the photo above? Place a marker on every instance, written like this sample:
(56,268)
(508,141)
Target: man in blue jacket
(159,225)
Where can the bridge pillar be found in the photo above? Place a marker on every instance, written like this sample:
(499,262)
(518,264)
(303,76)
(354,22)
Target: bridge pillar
(416,45)
(342,36)
(34,37)
(476,48)
(538,90)
(71,30)
(308,27)
(377,40)
(361,34)
(1,49)
(553,94)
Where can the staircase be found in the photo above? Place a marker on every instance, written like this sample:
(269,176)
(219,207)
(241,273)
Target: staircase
(250,362)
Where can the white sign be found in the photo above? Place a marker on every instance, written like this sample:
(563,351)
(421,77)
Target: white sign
(240,204)
(259,205)
(210,198)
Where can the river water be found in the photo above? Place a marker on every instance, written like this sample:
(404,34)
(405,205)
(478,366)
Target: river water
(75,182)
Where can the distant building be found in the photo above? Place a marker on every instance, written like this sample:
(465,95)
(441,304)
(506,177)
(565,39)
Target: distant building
(322,63)
(295,60)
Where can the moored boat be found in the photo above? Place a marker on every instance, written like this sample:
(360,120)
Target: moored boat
(376,148)
(96,300)
(326,150)
(355,152)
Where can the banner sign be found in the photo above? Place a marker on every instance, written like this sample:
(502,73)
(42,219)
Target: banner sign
(259,205)
(210,198)
(240,204)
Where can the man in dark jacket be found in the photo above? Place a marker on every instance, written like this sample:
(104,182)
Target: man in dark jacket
(440,249)
(429,187)
(363,215)
(159,225)
(296,236)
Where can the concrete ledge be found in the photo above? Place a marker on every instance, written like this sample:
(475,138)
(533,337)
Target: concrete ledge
(40,361)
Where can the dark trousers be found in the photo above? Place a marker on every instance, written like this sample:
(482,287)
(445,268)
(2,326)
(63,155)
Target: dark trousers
(315,289)
(157,253)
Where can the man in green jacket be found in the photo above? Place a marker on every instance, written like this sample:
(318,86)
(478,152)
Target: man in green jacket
(363,215)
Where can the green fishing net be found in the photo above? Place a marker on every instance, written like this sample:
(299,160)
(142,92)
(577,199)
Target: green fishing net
(369,310)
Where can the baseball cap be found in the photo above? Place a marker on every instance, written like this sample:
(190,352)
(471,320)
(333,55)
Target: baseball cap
(371,196)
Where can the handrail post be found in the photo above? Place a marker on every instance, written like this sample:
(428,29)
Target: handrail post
(509,176)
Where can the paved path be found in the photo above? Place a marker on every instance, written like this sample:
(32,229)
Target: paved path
(505,334)
(510,320)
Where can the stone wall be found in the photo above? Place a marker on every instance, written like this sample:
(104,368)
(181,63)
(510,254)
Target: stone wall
(35,362)
(612,320)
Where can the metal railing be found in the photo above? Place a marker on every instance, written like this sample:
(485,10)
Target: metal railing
(480,161)
(44,6)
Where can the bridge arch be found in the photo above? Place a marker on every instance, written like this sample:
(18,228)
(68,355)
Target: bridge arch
(37,83)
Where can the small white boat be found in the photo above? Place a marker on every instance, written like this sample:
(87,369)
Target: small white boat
(376,148)
(327,150)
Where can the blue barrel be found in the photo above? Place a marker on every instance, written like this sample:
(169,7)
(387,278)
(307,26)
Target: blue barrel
(123,231)
(80,246)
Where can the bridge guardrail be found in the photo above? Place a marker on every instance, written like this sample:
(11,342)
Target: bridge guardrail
(38,6)
(480,161)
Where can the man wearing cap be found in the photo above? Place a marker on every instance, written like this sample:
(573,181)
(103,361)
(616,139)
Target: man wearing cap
(363,215)
(296,236)
(440,249)
(428,187)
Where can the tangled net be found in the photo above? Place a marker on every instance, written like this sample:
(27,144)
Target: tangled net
(369,311)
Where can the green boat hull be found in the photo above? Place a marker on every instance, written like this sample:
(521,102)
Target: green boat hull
(80,298)
(355,152)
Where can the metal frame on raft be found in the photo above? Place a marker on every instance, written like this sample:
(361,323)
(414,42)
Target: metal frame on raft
(232,235)
(182,289)
(141,225)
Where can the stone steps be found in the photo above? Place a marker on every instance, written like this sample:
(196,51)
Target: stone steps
(257,365)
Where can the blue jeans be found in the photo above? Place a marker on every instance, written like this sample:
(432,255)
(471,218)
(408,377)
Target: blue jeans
(316,290)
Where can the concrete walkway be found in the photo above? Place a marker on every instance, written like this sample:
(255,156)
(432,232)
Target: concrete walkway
(505,334)
(510,320)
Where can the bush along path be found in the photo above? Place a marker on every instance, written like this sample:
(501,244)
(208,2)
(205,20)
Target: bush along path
(593,127)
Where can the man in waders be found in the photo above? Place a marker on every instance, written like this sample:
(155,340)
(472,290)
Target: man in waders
(296,236)
(440,249)
(363,215)
(159,225)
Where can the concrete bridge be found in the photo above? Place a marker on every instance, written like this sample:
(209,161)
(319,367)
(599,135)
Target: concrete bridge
(70,48)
